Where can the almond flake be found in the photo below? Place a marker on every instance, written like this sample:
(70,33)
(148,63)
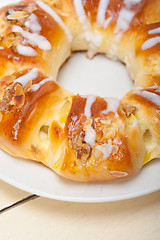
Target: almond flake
(18,15)
(28,87)
(6,31)
(57,4)
(110,141)
(117,140)
(14,48)
(18,90)
(6,80)
(2,94)
(115,149)
(18,101)
(97,153)
(87,124)
(60,12)
(105,121)
(31,8)
(128,109)
(119,174)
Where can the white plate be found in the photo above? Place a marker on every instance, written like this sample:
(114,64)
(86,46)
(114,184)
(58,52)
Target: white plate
(101,77)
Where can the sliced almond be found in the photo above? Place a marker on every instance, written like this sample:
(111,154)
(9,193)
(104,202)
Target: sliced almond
(14,48)
(31,8)
(16,41)
(31,43)
(97,119)
(109,132)
(18,15)
(6,80)
(128,109)
(106,121)
(18,101)
(18,90)
(9,44)
(119,174)
(60,12)
(57,4)
(2,94)
(87,124)
(117,140)
(97,153)
(28,87)
(6,31)
(83,153)
(115,149)
(110,141)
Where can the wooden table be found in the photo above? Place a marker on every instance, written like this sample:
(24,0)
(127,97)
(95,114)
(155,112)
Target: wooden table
(26,216)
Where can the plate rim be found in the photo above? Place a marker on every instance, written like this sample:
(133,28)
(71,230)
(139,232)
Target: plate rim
(77,199)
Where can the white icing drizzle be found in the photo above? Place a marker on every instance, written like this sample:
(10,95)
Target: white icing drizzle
(106,149)
(35,87)
(155,86)
(138,88)
(112,105)
(1,48)
(154,31)
(150,43)
(149,96)
(103,4)
(116,115)
(94,38)
(31,75)
(90,54)
(131,2)
(89,102)
(119,174)
(124,19)
(37,39)
(56,17)
(107,22)
(90,136)
(33,24)
(78,5)
(26,50)
(4,3)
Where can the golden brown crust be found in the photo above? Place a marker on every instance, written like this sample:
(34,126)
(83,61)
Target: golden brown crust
(18,119)
(83,138)
(10,59)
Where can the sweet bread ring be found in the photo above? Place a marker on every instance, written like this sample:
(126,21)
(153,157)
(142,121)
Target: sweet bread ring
(83,138)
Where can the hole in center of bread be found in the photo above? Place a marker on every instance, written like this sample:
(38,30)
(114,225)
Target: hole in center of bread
(99,76)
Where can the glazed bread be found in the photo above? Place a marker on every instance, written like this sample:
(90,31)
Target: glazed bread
(83,138)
